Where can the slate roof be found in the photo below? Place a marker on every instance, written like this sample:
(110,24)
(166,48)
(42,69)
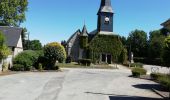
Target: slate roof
(105,6)
(12,35)
(84,31)
(76,33)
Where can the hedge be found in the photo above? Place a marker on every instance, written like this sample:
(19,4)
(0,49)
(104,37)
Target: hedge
(137,72)
(26,59)
(84,62)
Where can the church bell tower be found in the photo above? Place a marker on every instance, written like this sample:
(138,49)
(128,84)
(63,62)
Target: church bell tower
(105,17)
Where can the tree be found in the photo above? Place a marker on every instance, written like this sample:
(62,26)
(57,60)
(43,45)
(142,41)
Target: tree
(166,52)
(64,43)
(123,39)
(137,41)
(12,12)
(35,45)
(54,52)
(156,44)
(4,50)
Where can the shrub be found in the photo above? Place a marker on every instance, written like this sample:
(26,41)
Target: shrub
(85,62)
(156,76)
(165,81)
(26,59)
(17,67)
(54,52)
(69,59)
(137,72)
(40,68)
(123,56)
(139,65)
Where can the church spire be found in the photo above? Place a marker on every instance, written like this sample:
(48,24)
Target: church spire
(84,31)
(105,6)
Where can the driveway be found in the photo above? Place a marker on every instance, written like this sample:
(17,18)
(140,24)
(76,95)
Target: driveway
(77,84)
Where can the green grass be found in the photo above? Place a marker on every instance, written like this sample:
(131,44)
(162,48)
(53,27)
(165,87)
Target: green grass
(76,65)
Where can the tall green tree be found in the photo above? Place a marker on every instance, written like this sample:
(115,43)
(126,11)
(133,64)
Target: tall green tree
(166,52)
(156,44)
(137,43)
(35,45)
(12,12)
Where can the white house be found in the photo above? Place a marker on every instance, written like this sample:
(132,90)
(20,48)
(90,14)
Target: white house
(13,41)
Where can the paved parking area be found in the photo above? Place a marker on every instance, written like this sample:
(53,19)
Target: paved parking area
(76,84)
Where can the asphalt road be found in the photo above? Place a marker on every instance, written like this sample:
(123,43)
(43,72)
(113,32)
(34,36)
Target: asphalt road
(76,84)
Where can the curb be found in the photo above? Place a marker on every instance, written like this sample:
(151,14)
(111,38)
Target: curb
(163,96)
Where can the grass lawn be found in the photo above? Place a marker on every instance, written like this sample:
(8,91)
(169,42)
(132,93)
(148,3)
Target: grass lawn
(76,65)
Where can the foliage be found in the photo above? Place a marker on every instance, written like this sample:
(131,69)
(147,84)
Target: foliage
(123,56)
(68,59)
(165,81)
(26,59)
(40,68)
(156,44)
(2,39)
(18,67)
(139,65)
(166,52)
(85,62)
(123,39)
(4,50)
(137,72)
(156,76)
(110,44)
(12,12)
(35,45)
(147,60)
(53,52)
(64,44)
(138,41)
(83,42)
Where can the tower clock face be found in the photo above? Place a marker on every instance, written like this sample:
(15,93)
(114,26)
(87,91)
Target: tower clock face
(107,19)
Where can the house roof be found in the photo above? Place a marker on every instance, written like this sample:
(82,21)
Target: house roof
(105,6)
(12,35)
(76,33)
(84,31)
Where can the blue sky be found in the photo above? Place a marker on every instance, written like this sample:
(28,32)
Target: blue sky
(56,20)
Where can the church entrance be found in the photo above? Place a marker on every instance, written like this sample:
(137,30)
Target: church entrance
(106,58)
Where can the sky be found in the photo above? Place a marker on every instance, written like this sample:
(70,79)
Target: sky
(56,20)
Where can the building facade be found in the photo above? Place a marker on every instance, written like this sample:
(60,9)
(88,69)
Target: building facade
(78,43)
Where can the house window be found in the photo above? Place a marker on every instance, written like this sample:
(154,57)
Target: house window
(13,48)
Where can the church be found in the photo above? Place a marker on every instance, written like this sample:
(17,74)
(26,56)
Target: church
(100,45)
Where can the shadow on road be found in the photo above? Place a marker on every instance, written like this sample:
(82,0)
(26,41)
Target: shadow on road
(149,86)
(123,97)
(131,98)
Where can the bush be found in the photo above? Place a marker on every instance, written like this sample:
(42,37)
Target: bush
(85,62)
(156,76)
(26,59)
(137,72)
(123,56)
(165,81)
(69,60)
(40,68)
(139,65)
(17,67)
(54,52)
